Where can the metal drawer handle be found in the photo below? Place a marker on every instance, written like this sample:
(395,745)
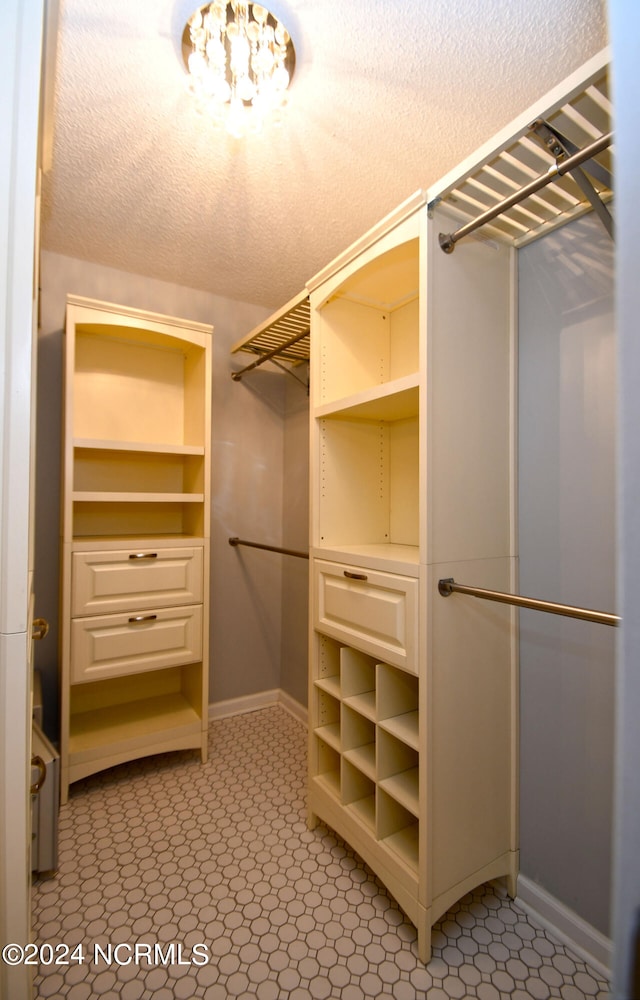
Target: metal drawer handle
(355,576)
(143,555)
(142,618)
(37,761)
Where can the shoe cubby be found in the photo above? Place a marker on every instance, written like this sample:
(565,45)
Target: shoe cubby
(398,700)
(365,751)
(327,760)
(359,741)
(398,829)
(328,719)
(359,794)
(358,681)
(398,771)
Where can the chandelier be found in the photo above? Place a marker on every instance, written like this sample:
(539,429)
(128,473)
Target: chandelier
(240,60)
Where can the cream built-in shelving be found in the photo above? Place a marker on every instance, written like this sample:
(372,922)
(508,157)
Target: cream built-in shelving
(135,536)
(411,700)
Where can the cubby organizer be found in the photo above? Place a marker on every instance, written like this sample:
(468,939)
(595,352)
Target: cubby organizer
(366,747)
(135,536)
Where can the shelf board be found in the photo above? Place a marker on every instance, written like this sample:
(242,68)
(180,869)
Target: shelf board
(404,788)
(101,496)
(403,727)
(395,400)
(363,704)
(89,543)
(330,735)
(329,684)
(364,758)
(99,444)
(292,320)
(388,557)
(107,728)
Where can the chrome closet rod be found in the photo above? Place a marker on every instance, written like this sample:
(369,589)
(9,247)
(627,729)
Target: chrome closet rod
(269,548)
(237,376)
(446,587)
(448,240)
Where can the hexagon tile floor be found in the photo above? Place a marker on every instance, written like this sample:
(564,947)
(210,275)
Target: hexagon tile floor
(182,880)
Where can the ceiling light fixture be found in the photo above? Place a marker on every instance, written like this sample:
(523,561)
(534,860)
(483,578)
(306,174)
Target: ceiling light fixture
(240,60)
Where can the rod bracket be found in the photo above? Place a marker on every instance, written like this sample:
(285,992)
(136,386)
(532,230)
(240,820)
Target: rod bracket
(447,242)
(444,586)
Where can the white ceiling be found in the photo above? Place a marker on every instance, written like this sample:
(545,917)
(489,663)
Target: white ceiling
(387,97)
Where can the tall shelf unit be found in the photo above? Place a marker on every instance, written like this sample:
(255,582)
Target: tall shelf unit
(412,703)
(135,536)
(413,699)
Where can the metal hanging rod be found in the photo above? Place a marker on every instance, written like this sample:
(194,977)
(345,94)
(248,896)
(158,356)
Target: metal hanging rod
(448,240)
(269,548)
(446,587)
(237,376)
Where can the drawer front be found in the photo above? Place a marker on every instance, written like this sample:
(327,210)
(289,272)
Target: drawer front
(373,611)
(113,645)
(105,582)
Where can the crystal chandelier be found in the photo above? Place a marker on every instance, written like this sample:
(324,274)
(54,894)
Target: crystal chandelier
(240,60)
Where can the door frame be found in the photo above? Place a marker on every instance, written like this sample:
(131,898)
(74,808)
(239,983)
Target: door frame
(20,74)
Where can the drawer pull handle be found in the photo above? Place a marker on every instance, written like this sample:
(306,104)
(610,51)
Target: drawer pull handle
(143,555)
(355,576)
(142,618)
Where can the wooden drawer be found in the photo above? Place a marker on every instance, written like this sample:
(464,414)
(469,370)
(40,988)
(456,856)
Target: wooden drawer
(105,582)
(113,645)
(373,611)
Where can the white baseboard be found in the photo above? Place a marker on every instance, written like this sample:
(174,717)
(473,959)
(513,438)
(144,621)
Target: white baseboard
(253,702)
(582,938)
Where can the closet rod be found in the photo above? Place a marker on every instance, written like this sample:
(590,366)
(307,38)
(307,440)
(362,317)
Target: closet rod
(448,240)
(446,587)
(269,548)
(237,376)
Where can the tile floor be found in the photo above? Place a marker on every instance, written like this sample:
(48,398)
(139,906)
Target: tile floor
(189,862)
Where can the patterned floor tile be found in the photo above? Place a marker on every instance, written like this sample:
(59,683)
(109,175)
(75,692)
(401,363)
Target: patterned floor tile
(202,882)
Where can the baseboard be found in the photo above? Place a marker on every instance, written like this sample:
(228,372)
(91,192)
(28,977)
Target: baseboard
(254,702)
(582,938)
(293,707)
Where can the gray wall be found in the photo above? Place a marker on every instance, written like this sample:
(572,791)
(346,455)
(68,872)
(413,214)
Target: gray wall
(567,501)
(247,490)
(295,535)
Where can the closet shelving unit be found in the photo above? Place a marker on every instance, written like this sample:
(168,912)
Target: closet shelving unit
(413,700)
(135,536)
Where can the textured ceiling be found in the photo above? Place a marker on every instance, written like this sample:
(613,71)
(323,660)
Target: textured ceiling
(386,98)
